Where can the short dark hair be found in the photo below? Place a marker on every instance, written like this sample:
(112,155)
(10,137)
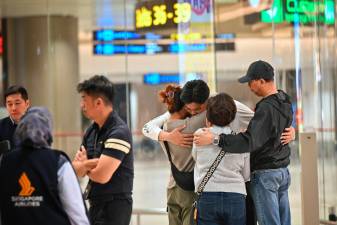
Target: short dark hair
(221,109)
(196,91)
(16,89)
(98,86)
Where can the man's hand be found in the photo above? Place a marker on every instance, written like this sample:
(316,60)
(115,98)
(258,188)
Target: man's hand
(288,135)
(90,164)
(81,155)
(205,137)
(177,138)
(81,163)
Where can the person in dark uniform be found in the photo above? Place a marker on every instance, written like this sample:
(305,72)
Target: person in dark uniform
(38,184)
(109,140)
(17,103)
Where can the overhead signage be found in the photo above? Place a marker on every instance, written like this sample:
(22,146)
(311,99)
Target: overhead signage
(164,78)
(186,37)
(182,48)
(153,48)
(113,42)
(157,78)
(302,11)
(201,11)
(114,49)
(111,35)
(226,36)
(161,14)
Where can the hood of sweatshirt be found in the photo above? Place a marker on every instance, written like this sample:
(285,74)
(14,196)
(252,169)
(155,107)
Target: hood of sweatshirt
(281,102)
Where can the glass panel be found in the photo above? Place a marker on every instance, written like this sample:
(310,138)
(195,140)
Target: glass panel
(179,47)
(308,76)
(325,69)
(257,30)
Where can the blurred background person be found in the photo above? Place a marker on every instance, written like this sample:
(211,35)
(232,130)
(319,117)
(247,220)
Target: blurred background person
(16,102)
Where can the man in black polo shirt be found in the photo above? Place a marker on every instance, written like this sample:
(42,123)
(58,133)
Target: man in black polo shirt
(106,155)
(17,103)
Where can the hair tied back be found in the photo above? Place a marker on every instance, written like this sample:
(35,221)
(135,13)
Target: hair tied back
(170,94)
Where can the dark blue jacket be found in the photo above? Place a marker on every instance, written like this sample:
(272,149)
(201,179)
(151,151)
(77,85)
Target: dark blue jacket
(28,190)
(7,128)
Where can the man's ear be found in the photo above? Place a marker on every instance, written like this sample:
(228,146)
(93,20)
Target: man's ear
(98,101)
(262,81)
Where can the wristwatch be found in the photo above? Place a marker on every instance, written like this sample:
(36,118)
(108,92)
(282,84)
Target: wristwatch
(216,140)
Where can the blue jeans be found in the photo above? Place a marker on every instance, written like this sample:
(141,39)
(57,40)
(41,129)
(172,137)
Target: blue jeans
(221,208)
(269,189)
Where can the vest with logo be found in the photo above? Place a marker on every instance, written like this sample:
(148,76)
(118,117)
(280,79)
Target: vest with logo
(28,190)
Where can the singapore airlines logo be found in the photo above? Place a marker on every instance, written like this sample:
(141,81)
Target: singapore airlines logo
(25,197)
(26,187)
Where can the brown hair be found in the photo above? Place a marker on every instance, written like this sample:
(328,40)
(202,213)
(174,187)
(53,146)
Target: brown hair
(221,109)
(171,97)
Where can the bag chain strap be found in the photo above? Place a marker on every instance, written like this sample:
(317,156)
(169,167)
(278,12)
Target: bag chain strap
(210,172)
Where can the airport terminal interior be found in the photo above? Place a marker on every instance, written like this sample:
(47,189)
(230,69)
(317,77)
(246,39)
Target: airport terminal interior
(49,46)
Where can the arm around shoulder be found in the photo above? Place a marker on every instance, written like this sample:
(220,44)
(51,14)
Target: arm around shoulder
(152,128)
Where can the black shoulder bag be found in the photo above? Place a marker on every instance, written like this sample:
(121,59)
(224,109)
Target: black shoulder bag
(201,187)
(185,180)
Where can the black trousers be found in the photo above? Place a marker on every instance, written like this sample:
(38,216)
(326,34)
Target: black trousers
(250,209)
(114,212)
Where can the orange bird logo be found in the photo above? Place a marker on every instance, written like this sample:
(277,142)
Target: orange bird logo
(26,187)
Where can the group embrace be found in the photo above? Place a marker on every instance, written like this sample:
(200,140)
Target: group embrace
(220,150)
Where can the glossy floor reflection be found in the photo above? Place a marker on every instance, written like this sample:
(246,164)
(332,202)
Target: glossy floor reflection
(150,191)
(151,177)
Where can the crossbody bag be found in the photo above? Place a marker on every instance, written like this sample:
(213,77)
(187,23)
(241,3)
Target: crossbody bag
(201,187)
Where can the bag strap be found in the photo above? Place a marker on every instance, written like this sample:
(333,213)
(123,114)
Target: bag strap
(167,149)
(210,172)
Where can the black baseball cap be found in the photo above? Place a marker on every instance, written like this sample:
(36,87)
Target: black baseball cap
(258,70)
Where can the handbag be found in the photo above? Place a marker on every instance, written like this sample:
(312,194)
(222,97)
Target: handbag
(184,180)
(201,187)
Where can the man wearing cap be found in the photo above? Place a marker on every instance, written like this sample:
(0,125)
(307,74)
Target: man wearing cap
(270,178)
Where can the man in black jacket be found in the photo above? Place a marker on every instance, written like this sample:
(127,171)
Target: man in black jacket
(17,103)
(270,178)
